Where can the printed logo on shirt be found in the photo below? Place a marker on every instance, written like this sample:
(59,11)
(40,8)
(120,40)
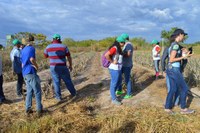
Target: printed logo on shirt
(175,47)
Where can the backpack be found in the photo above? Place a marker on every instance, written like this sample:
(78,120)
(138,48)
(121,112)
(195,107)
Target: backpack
(104,61)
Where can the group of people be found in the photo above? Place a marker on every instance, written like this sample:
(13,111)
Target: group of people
(176,57)
(119,55)
(24,64)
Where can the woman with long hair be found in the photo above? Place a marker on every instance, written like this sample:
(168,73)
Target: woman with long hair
(174,74)
(114,55)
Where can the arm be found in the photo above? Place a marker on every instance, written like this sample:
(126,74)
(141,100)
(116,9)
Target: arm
(70,62)
(33,61)
(108,57)
(46,53)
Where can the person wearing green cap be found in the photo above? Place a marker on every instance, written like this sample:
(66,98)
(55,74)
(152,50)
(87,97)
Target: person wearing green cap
(156,56)
(127,65)
(57,53)
(114,55)
(15,56)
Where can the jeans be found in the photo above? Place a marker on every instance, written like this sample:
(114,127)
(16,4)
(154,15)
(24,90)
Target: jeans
(20,81)
(156,65)
(115,82)
(33,85)
(177,93)
(58,73)
(127,75)
(2,97)
(176,81)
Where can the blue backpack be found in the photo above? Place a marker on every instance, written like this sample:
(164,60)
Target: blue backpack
(104,61)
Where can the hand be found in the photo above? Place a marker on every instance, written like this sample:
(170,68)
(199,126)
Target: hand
(70,68)
(188,55)
(36,68)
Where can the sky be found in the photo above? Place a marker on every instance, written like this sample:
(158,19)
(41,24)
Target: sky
(98,19)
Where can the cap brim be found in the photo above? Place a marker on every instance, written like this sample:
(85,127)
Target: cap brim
(185,34)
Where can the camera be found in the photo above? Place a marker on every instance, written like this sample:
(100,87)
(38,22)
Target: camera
(191,50)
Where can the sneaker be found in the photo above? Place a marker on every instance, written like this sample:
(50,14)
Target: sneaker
(187,111)
(119,92)
(128,96)
(28,112)
(116,102)
(169,111)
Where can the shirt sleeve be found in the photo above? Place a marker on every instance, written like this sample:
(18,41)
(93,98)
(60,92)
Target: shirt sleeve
(67,53)
(45,53)
(113,51)
(157,49)
(175,47)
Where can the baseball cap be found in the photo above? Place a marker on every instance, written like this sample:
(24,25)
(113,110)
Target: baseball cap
(16,41)
(120,39)
(56,36)
(154,42)
(178,31)
(125,36)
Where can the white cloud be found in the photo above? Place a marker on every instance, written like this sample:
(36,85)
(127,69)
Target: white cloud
(85,19)
(162,14)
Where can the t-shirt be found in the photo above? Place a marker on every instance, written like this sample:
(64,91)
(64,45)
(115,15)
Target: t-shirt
(57,54)
(175,47)
(155,52)
(28,52)
(128,61)
(115,56)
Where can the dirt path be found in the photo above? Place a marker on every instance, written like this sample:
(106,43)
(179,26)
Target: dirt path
(93,84)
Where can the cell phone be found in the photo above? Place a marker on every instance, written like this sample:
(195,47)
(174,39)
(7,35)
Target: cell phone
(191,50)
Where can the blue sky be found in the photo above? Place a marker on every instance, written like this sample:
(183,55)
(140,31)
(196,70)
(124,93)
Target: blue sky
(98,19)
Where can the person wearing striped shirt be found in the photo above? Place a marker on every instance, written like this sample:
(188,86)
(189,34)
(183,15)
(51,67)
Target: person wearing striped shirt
(57,53)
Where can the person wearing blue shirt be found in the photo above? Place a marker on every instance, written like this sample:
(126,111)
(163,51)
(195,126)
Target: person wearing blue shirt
(15,56)
(29,71)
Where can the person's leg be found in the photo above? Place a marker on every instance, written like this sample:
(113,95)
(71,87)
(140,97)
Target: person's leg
(156,65)
(68,82)
(29,93)
(2,97)
(19,84)
(56,83)
(183,94)
(127,75)
(173,88)
(35,84)
(119,89)
(114,74)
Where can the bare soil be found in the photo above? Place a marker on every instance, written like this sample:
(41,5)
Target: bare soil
(92,85)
